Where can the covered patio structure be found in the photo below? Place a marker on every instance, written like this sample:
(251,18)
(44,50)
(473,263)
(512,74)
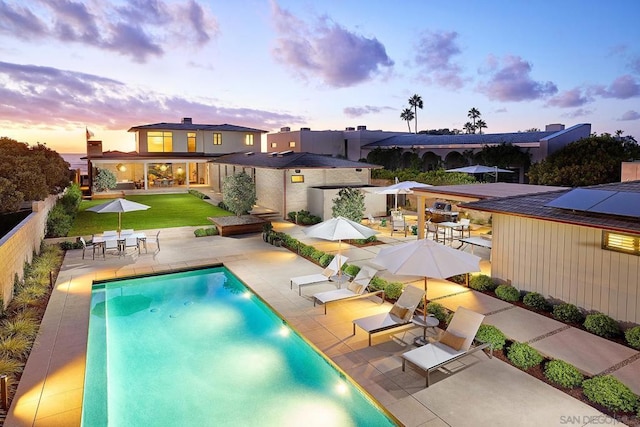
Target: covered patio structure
(470,193)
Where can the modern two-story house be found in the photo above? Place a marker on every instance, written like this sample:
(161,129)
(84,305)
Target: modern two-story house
(172,154)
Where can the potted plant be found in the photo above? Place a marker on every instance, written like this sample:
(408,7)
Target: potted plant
(266,231)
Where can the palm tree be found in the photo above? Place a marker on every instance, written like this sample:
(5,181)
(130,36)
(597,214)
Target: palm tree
(481,124)
(416,102)
(474,114)
(407,115)
(469,127)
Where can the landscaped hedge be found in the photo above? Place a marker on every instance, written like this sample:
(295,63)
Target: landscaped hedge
(609,392)
(523,356)
(482,282)
(201,195)
(601,324)
(632,335)
(563,373)
(303,217)
(437,310)
(536,301)
(492,335)
(568,313)
(507,293)
(209,231)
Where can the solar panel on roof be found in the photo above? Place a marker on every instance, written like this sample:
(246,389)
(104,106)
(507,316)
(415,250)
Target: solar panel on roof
(620,203)
(580,199)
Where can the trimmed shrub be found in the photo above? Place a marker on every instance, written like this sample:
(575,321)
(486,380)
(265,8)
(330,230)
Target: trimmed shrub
(632,336)
(507,293)
(365,241)
(325,259)
(316,255)
(563,373)
(492,335)
(303,217)
(59,222)
(67,245)
(201,195)
(601,324)
(352,270)
(212,231)
(307,251)
(460,279)
(378,283)
(568,313)
(393,290)
(482,282)
(609,392)
(523,356)
(200,232)
(437,310)
(536,301)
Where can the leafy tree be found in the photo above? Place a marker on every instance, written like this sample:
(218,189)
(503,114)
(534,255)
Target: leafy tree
(349,204)
(10,198)
(469,128)
(481,124)
(504,155)
(436,177)
(588,161)
(407,115)
(416,102)
(474,114)
(104,180)
(239,193)
(389,158)
(35,172)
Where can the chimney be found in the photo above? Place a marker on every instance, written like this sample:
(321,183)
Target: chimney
(362,127)
(187,121)
(285,129)
(555,127)
(349,128)
(305,128)
(94,148)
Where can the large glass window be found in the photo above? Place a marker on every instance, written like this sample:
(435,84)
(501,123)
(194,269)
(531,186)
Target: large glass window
(248,139)
(160,142)
(217,139)
(191,142)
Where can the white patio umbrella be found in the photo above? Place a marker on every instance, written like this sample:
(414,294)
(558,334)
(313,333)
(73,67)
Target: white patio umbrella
(404,187)
(480,169)
(119,206)
(339,229)
(426,258)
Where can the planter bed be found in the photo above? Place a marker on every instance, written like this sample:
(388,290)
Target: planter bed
(232,225)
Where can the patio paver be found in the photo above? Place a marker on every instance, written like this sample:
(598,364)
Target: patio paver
(523,325)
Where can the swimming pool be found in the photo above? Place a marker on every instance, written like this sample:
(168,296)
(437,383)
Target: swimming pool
(198,348)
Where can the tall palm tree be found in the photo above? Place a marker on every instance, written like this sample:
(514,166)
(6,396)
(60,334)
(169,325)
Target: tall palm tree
(474,114)
(480,124)
(416,102)
(469,127)
(407,115)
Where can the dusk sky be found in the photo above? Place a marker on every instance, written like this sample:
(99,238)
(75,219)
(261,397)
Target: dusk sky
(108,66)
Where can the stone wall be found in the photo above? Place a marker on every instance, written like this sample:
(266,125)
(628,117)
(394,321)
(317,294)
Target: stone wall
(19,245)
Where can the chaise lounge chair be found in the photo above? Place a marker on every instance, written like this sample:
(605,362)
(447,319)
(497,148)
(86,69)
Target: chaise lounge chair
(399,315)
(454,343)
(357,288)
(332,269)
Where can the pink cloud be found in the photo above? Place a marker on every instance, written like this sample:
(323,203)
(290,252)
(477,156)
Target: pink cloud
(569,99)
(630,115)
(623,87)
(510,80)
(435,53)
(339,57)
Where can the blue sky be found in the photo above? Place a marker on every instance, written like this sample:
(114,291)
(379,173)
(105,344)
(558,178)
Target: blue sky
(108,66)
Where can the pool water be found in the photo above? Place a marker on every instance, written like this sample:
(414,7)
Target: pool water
(197,348)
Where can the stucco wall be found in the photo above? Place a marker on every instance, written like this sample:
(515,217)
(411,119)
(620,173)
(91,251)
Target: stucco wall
(566,262)
(630,171)
(18,247)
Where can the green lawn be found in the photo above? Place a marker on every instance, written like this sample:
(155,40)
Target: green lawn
(167,210)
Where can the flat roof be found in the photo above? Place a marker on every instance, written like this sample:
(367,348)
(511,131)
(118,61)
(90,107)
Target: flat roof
(483,191)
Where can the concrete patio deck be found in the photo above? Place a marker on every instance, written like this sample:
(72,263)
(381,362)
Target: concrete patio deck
(482,392)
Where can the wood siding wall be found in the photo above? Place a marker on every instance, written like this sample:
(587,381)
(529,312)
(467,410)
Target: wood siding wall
(566,262)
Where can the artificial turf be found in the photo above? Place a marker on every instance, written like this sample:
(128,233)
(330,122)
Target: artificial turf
(166,210)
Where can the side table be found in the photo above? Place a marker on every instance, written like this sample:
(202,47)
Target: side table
(430,322)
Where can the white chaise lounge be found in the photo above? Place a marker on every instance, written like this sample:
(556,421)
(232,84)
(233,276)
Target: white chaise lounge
(357,288)
(332,269)
(454,343)
(399,315)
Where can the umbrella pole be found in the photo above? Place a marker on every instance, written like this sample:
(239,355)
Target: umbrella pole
(425,300)
(119,223)
(339,273)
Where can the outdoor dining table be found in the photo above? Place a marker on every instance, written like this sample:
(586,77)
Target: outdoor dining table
(449,227)
(100,241)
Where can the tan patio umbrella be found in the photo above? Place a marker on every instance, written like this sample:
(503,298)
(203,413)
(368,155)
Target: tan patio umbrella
(119,206)
(339,229)
(426,258)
